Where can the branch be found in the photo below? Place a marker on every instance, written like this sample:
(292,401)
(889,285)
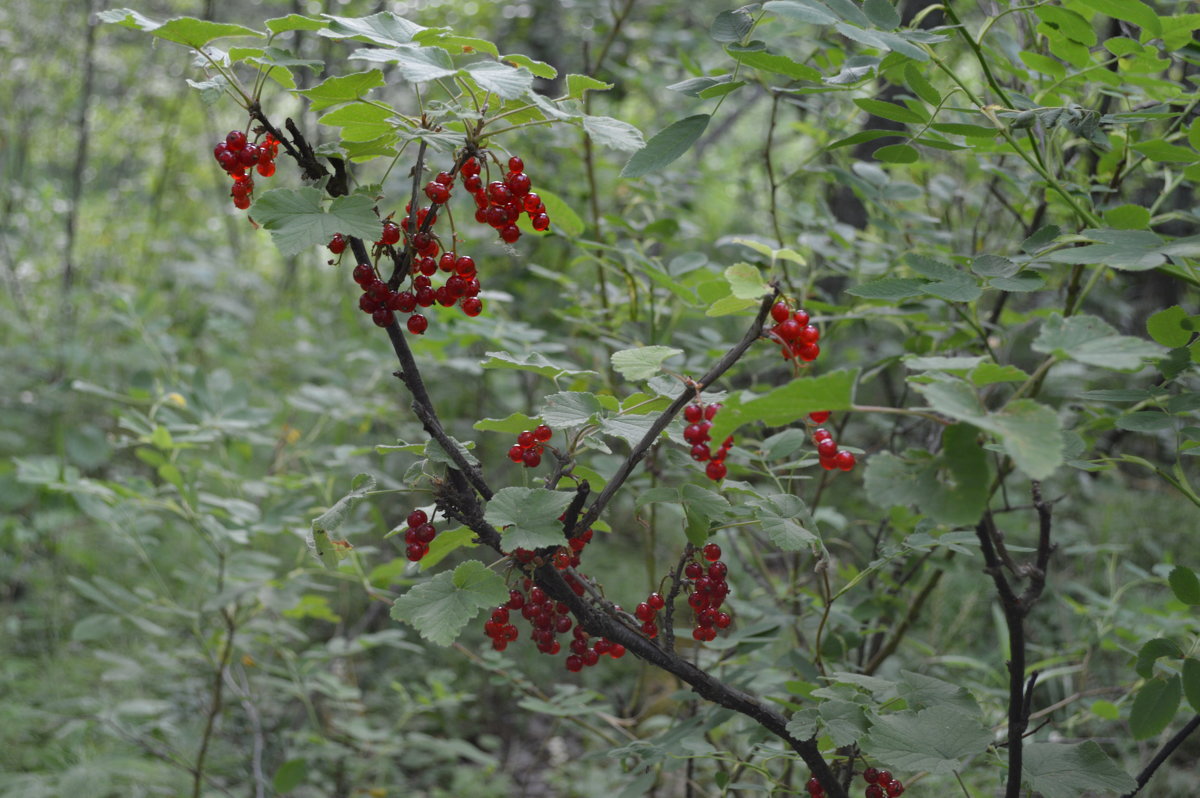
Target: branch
(1163,753)
(668,415)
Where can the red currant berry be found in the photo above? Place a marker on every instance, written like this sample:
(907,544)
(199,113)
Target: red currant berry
(845,460)
(415,551)
(518,183)
(574,663)
(870,775)
(819,416)
(532,203)
(716,471)
(617,651)
(465,266)
(516,453)
(540,221)
(718,571)
(527,439)
(496,216)
(874,791)
(228,160)
(498,193)
(235,140)
(693,570)
(644,612)
(894,788)
(814,787)
(801,317)
(425,295)
(248,156)
(656,601)
(337,244)
(789,330)
(472,306)
(532,458)
(417,324)
(241,203)
(780,312)
(543,433)
(383,317)
(470,167)
(266,169)
(363,274)
(446,262)
(701,453)
(722,620)
(437,193)
(694,413)
(809,335)
(884,776)
(391,233)
(416,518)
(472,183)
(515,164)
(444,178)
(425,532)
(710,412)
(650,629)
(820,434)
(510,234)
(827,448)
(712,552)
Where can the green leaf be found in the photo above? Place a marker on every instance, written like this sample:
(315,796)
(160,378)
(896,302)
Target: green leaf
(1129,250)
(562,217)
(746,282)
(1030,432)
(578,84)
(951,488)
(211,90)
(1068,770)
(1093,341)
(938,739)
(1154,707)
(1165,152)
(343,89)
(935,363)
(361,122)
(812,12)
(1128,217)
(779,64)
(1041,237)
(189,31)
(1134,11)
(642,363)
(787,403)
(290,775)
(1145,421)
(612,133)
(844,721)
(786,520)
(1185,585)
(540,69)
(416,64)
(889,288)
(989,373)
(666,146)
(293,22)
(569,409)
(1171,327)
(297,220)
(729,304)
(441,607)
(1149,653)
(513,424)
(890,111)
(948,283)
(535,362)
(1191,682)
(385,29)
(897,153)
(882,14)
(731,26)
(1069,23)
(507,83)
(455,43)
(920,691)
(531,515)
(882,39)
(994,266)
(920,86)
(326,550)
(1026,280)
(445,543)
(962,129)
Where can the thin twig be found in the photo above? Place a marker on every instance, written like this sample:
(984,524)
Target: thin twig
(1163,753)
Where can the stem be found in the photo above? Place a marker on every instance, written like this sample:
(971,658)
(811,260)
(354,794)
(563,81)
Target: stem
(218,685)
(1163,753)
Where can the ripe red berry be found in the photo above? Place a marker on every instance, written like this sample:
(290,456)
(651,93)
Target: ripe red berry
(515,164)
(723,620)
(716,471)
(241,203)
(884,776)
(717,571)
(789,330)
(870,775)
(465,266)
(780,312)
(819,416)
(701,453)
(470,167)
(337,244)
(644,612)
(650,629)
(510,233)
(873,791)
(235,140)
(827,447)
(540,221)
(845,460)
(248,156)
(416,518)
(694,413)
(894,788)
(693,570)
(516,453)
(518,183)
(363,274)
(801,317)
(574,663)
(417,324)
(498,193)
(527,439)
(814,787)
(543,433)
(383,317)
(425,532)
(425,295)
(532,458)
(710,412)
(656,601)
(437,193)
(809,334)
(472,306)
(532,203)
(712,552)
(391,233)
(266,169)
(820,434)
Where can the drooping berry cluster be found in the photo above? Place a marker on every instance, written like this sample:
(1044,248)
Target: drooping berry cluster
(236,155)
(500,204)
(381,302)
(880,784)
(792,331)
(419,535)
(707,580)
(699,417)
(827,449)
(530,445)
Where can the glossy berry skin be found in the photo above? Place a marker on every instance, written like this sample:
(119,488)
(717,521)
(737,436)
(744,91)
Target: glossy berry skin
(516,165)
(337,244)
(827,448)
(894,788)
(532,458)
(693,570)
(391,233)
(540,221)
(516,453)
(712,552)
(543,433)
(417,324)
(820,434)
(870,775)
(716,471)
(472,306)
(235,140)
(884,776)
(874,791)
(819,416)
(437,193)
(845,461)
(526,439)
(464,265)
(814,787)
(510,233)
(780,312)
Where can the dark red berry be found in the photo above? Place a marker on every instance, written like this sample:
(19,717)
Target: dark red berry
(518,183)
(527,439)
(650,629)
(780,312)
(415,551)
(470,167)
(814,787)
(543,433)
(656,601)
(884,776)
(710,412)
(873,791)
(383,317)
(425,295)
(391,233)
(516,453)
(465,266)
(266,169)
(712,552)
(337,244)
(819,416)
(845,460)
(532,458)
(693,570)
(870,775)
(701,453)
(472,306)
(532,203)
(437,193)
(801,317)
(515,164)
(809,334)
(416,518)
(716,471)
(827,447)
(574,663)
(510,234)
(540,221)
(363,274)
(894,788)
(417,324)
(425,532)
(235,140)
(694,413)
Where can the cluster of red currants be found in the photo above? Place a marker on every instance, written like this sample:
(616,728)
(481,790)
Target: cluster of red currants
(707,580)
(236,155)
(827,449)
(880,784)
(699,417)
(382,302)
(500,204)
(529,446)
(792,330)
(419,535)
